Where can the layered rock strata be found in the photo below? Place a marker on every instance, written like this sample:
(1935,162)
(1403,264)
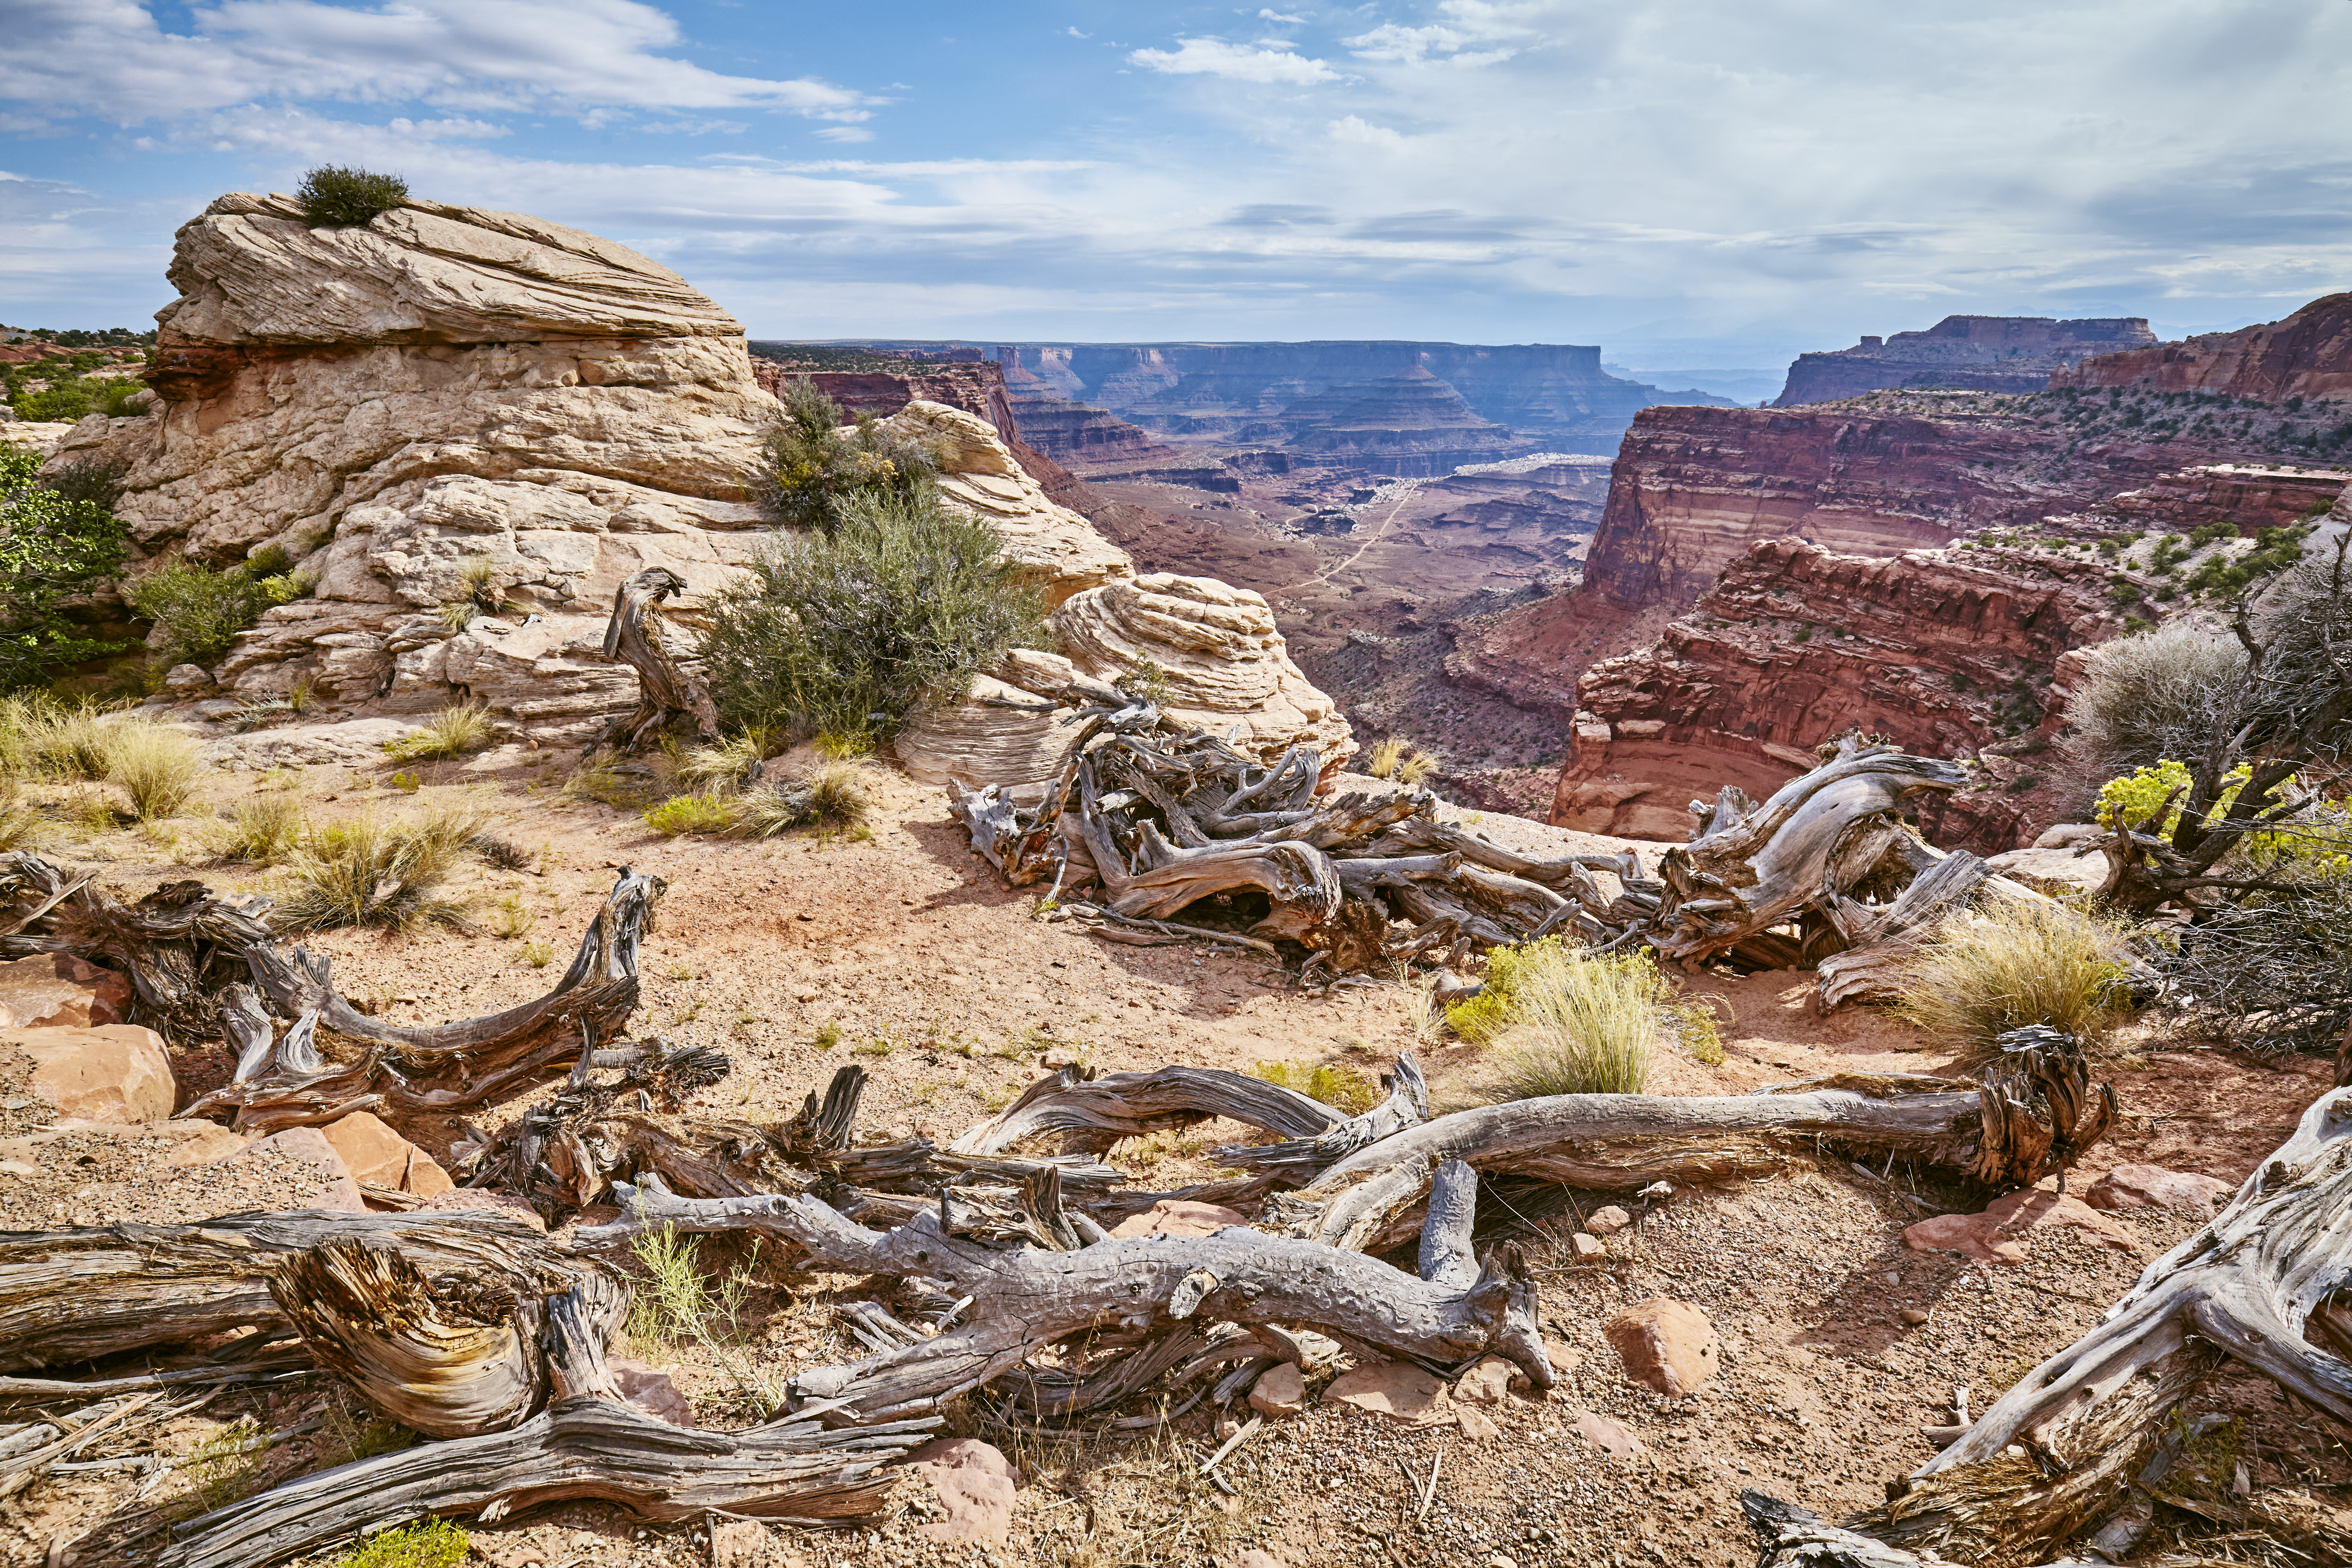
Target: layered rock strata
(1987,353)
(1694,488)
(1212,650)
(1939,651)
(2307,355)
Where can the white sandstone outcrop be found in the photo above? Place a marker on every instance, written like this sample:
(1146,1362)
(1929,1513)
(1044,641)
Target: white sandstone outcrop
(450,403)
(1217,653)
(978,476)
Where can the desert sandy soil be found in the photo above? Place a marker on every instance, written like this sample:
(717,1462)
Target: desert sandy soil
(899,950)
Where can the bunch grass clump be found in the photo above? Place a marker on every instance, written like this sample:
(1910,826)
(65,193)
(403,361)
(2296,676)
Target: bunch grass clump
(155,765)
(336,197)
(2014,963)
(368,871)
(428,1543)
(1578,1024)
(838,797)
(453,732)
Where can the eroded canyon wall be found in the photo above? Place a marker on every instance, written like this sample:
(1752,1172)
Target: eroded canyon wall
(2307,355)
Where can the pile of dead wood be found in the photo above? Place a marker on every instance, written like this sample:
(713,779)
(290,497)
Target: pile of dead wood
(489,1337)
(1171,834)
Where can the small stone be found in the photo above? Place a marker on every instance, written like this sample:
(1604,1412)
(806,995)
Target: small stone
(1476,1426)
(1610,1436)
(1913,1316)
(653,1391)
(1487,1382)
(2153,1187)
(186,680)
(1588,1249)
(1563,1358)
(1279,1391)
(1608,1221)
(1994,1236)
(805,995)
(1258,1557)
(378,1156)
(1665,1346)
(1179,1216)
(1500,1560)
(1392,1388)
(1227,1425)
(974,1485)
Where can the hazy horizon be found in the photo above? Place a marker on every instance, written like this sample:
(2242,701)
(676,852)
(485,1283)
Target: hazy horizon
(1709,184)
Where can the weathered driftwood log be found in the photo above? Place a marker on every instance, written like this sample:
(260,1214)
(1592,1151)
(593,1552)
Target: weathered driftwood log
(586,1444)
(82,1294)
(435,1068)
(449,1355)
(1751,867)
(1023,1301)
(1164,818)
(1091,1113)
(2254,1285)
(670,698)
(2036,1114)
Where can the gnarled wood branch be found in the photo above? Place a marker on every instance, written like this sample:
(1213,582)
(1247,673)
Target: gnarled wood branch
(669,697)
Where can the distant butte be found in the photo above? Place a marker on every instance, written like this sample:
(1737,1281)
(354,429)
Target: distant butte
(1970,353)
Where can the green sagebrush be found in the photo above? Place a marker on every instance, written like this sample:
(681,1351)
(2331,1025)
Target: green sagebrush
(854,630)
(335,197)
(198,613)
(54,549)
(812,471)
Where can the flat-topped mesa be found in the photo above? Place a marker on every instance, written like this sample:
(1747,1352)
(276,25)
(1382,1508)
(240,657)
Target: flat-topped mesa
(2308,355)
(1941,651)
(1981,353)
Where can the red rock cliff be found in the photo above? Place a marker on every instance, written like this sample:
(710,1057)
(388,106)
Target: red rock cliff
(1797,644)
(2307,355)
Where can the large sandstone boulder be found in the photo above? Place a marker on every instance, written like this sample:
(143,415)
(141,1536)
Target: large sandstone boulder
(444,389)
(57,990)
(1225,664)
(113,1073)
(980,477)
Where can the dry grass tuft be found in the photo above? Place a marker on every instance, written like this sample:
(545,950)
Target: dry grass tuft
(155,765)
(1574,1024)
(453,732)
(263,832)
(2016,962)
(367,871)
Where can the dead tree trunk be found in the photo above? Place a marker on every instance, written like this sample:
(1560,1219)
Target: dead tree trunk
(1022,1302)
(670,698)
(586,1444)
(69,1296)
(2254,1285)
(2035,1114)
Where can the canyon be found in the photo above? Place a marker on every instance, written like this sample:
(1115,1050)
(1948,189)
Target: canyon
(1593,641)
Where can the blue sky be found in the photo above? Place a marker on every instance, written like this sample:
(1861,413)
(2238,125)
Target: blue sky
(1703,183)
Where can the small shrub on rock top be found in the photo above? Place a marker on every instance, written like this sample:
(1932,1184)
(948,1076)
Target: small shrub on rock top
(812,471)
(853,631)
(334,197)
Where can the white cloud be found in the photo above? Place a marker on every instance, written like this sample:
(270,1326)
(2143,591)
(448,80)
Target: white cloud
(1453,42)
(1236,62)
(1364,134)
(1076,33)
(1278,17)
(845,133)
(111,58)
